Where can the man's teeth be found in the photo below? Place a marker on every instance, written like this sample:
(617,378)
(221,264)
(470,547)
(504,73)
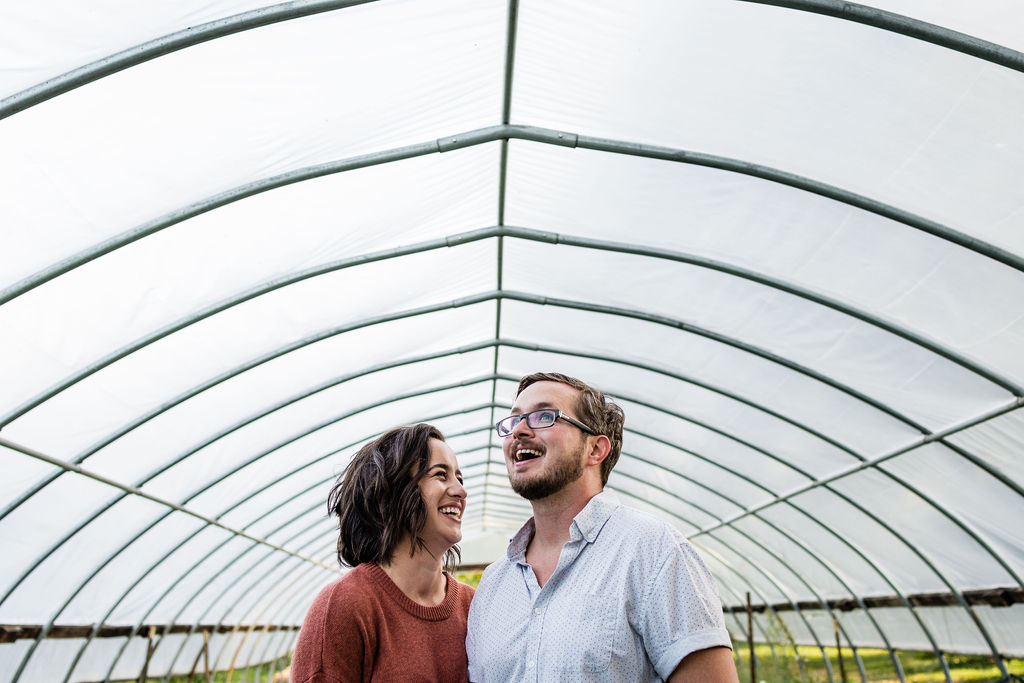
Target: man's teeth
(453,511)
(526,454)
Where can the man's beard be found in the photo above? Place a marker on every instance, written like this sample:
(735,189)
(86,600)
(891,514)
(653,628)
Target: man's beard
(558,475)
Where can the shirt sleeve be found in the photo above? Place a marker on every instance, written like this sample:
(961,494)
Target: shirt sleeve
(681,610)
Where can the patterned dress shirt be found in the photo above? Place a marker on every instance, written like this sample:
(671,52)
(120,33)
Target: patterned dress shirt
(629,598)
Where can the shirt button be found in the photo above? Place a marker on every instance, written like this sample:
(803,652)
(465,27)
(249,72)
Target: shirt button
(537,610)
(529,664)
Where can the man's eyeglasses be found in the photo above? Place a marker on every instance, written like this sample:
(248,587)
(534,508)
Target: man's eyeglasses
(538,419)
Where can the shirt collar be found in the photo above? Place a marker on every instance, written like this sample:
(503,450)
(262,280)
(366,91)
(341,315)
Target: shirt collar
(587,524)
(591,519)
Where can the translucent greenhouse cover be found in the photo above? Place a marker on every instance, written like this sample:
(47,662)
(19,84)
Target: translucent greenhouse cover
(240,240)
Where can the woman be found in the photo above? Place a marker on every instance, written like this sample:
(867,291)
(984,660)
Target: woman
(398,615)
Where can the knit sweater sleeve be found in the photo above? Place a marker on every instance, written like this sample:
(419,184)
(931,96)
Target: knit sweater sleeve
(337,641)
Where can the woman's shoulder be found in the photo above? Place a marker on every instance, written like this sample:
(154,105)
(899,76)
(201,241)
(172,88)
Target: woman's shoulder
(355,583)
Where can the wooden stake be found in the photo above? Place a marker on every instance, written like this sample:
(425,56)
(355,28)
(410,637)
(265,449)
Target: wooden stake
(144,674)
(206,654)
(750,640)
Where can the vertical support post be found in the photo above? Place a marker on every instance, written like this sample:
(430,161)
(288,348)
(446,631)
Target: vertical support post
(750,640)
(839,651)
(144,674)
(206,654)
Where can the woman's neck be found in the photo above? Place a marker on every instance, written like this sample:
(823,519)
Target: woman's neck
(418,574)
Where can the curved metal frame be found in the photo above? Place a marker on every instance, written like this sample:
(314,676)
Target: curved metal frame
(848,11)
(484,378)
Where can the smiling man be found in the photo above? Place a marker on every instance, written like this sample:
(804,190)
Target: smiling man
(589,589)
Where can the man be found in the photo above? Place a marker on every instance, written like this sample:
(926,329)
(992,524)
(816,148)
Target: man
(589,590)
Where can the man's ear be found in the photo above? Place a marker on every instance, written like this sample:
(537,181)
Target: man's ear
(599,449)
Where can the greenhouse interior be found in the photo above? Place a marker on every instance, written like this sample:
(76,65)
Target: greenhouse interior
(240,240)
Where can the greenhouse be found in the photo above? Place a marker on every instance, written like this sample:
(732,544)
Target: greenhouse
(239,240)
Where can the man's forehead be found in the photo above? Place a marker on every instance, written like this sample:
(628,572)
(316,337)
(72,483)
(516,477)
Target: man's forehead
(545,394)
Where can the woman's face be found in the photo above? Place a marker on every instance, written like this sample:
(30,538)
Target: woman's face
(444,499)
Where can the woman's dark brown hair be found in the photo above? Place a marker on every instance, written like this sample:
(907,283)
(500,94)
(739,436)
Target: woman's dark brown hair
(377,497)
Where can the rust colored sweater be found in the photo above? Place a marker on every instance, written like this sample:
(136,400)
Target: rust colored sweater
(363,627)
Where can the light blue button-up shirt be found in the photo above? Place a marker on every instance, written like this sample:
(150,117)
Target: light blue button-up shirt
(629,598)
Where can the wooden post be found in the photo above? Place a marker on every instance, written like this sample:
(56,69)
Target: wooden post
(839,651)
(750,640)
(144,674)
(206,655)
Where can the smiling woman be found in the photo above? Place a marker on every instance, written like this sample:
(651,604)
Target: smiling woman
(399,615)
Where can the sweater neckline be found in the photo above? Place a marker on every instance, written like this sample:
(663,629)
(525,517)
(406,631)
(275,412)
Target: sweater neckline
(439,612)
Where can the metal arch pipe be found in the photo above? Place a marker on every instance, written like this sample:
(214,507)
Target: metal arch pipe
(139,54)
(488,296)
(897,666)
(505,133)
(302,581)
(300,590)
(118,552)
(281,617)
(966,528)
(781,285)
(870,563)
(938,436)
(224,569)
(741,626)
(569,240)
(780,560)
(989,549)
(764,600)
(288,576)
(174,507)
(99,568)
(498,231)
(125,594)
(952,589)
(172,42)
(907,26)
(213,578)
(205,557)
(288,348)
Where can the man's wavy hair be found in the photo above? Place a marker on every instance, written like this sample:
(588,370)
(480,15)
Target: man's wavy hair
(593,409)
(377,497)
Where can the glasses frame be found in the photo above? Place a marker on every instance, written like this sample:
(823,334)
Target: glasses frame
(526,416)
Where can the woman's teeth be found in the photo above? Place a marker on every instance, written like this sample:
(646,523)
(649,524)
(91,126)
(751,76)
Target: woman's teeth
(453,511)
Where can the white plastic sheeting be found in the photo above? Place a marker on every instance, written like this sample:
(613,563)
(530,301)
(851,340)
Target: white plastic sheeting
(240,240)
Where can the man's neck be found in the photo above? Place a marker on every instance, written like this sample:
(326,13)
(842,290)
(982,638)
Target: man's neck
(553,515)
(552,519)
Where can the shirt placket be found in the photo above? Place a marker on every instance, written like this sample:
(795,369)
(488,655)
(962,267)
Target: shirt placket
(541,600)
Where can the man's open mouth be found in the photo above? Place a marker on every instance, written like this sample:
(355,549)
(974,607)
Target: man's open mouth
(523,454)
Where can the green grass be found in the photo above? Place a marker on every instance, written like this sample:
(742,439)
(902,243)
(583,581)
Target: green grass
(918,667)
